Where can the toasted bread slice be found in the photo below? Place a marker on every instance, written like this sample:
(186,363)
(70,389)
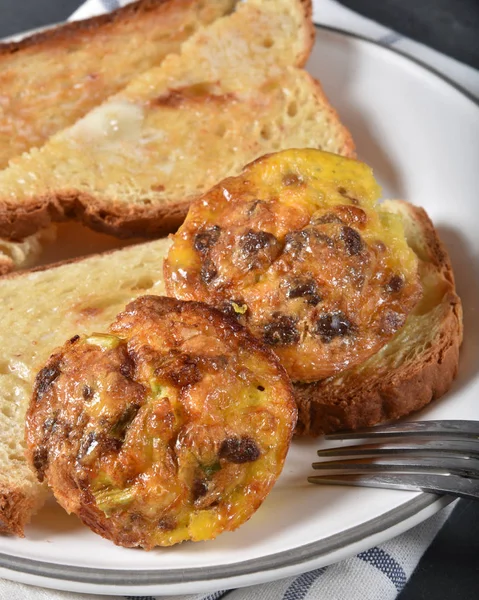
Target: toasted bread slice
(49,80)
(84,296)
(133,165)
(415,367)
(74,298)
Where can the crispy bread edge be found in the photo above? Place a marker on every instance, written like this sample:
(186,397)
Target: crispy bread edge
(77,259)
(17,508)
(17,223)
(307,6)
(67,31)
(325,408)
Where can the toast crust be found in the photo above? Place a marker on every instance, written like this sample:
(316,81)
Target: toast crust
(58,34)
(349,148)
(16,509)
(6,265)
(310,33)
(18,222)
(68,261)
(325,407)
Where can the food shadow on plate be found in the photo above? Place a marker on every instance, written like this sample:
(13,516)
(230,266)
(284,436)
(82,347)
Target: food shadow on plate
(52,521)
(75,240)
(338,85)
(273,520)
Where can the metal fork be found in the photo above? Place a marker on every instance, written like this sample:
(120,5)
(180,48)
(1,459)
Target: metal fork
(430,456)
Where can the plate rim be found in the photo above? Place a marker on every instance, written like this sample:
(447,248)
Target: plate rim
(272,563)
(463,91)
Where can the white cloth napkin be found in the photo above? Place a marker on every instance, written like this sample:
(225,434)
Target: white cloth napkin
(381,572)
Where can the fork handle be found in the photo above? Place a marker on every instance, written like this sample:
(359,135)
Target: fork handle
(452,485)
(445,429)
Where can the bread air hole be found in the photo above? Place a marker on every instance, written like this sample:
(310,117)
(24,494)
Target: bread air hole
(144,283)
(220,130)
(189,29)
(292,109)
(7,412)
(266,132)
(4,368)
(268,42)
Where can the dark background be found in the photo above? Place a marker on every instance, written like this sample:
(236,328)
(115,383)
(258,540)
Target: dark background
(449,569)
(450,26)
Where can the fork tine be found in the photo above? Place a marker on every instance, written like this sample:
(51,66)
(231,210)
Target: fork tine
(444,466)
(447,429)
(450,484)
(402,447)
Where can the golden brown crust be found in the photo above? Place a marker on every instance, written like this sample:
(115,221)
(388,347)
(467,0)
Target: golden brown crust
(172,426)
(56,35)
(12,508)
(18,222)
(310,33)
(16,510)
(365,401)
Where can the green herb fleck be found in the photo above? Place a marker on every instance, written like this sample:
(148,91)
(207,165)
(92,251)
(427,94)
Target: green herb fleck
(241,309)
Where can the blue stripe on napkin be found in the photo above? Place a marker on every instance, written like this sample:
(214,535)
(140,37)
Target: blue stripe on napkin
(302,584)
(385,563)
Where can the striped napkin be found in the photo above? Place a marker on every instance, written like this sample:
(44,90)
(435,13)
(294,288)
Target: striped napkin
(381,572)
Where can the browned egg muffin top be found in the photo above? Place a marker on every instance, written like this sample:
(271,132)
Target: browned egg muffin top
(172,426)
(298,250)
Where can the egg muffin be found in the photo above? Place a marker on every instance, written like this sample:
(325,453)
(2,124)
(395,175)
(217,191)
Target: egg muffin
(171,426)
(298,249)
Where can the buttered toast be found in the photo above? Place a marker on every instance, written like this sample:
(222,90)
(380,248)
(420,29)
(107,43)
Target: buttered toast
(415,367)
(49,80)
(133,164)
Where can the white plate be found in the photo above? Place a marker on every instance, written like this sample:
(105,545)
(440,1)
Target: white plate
(421,135)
